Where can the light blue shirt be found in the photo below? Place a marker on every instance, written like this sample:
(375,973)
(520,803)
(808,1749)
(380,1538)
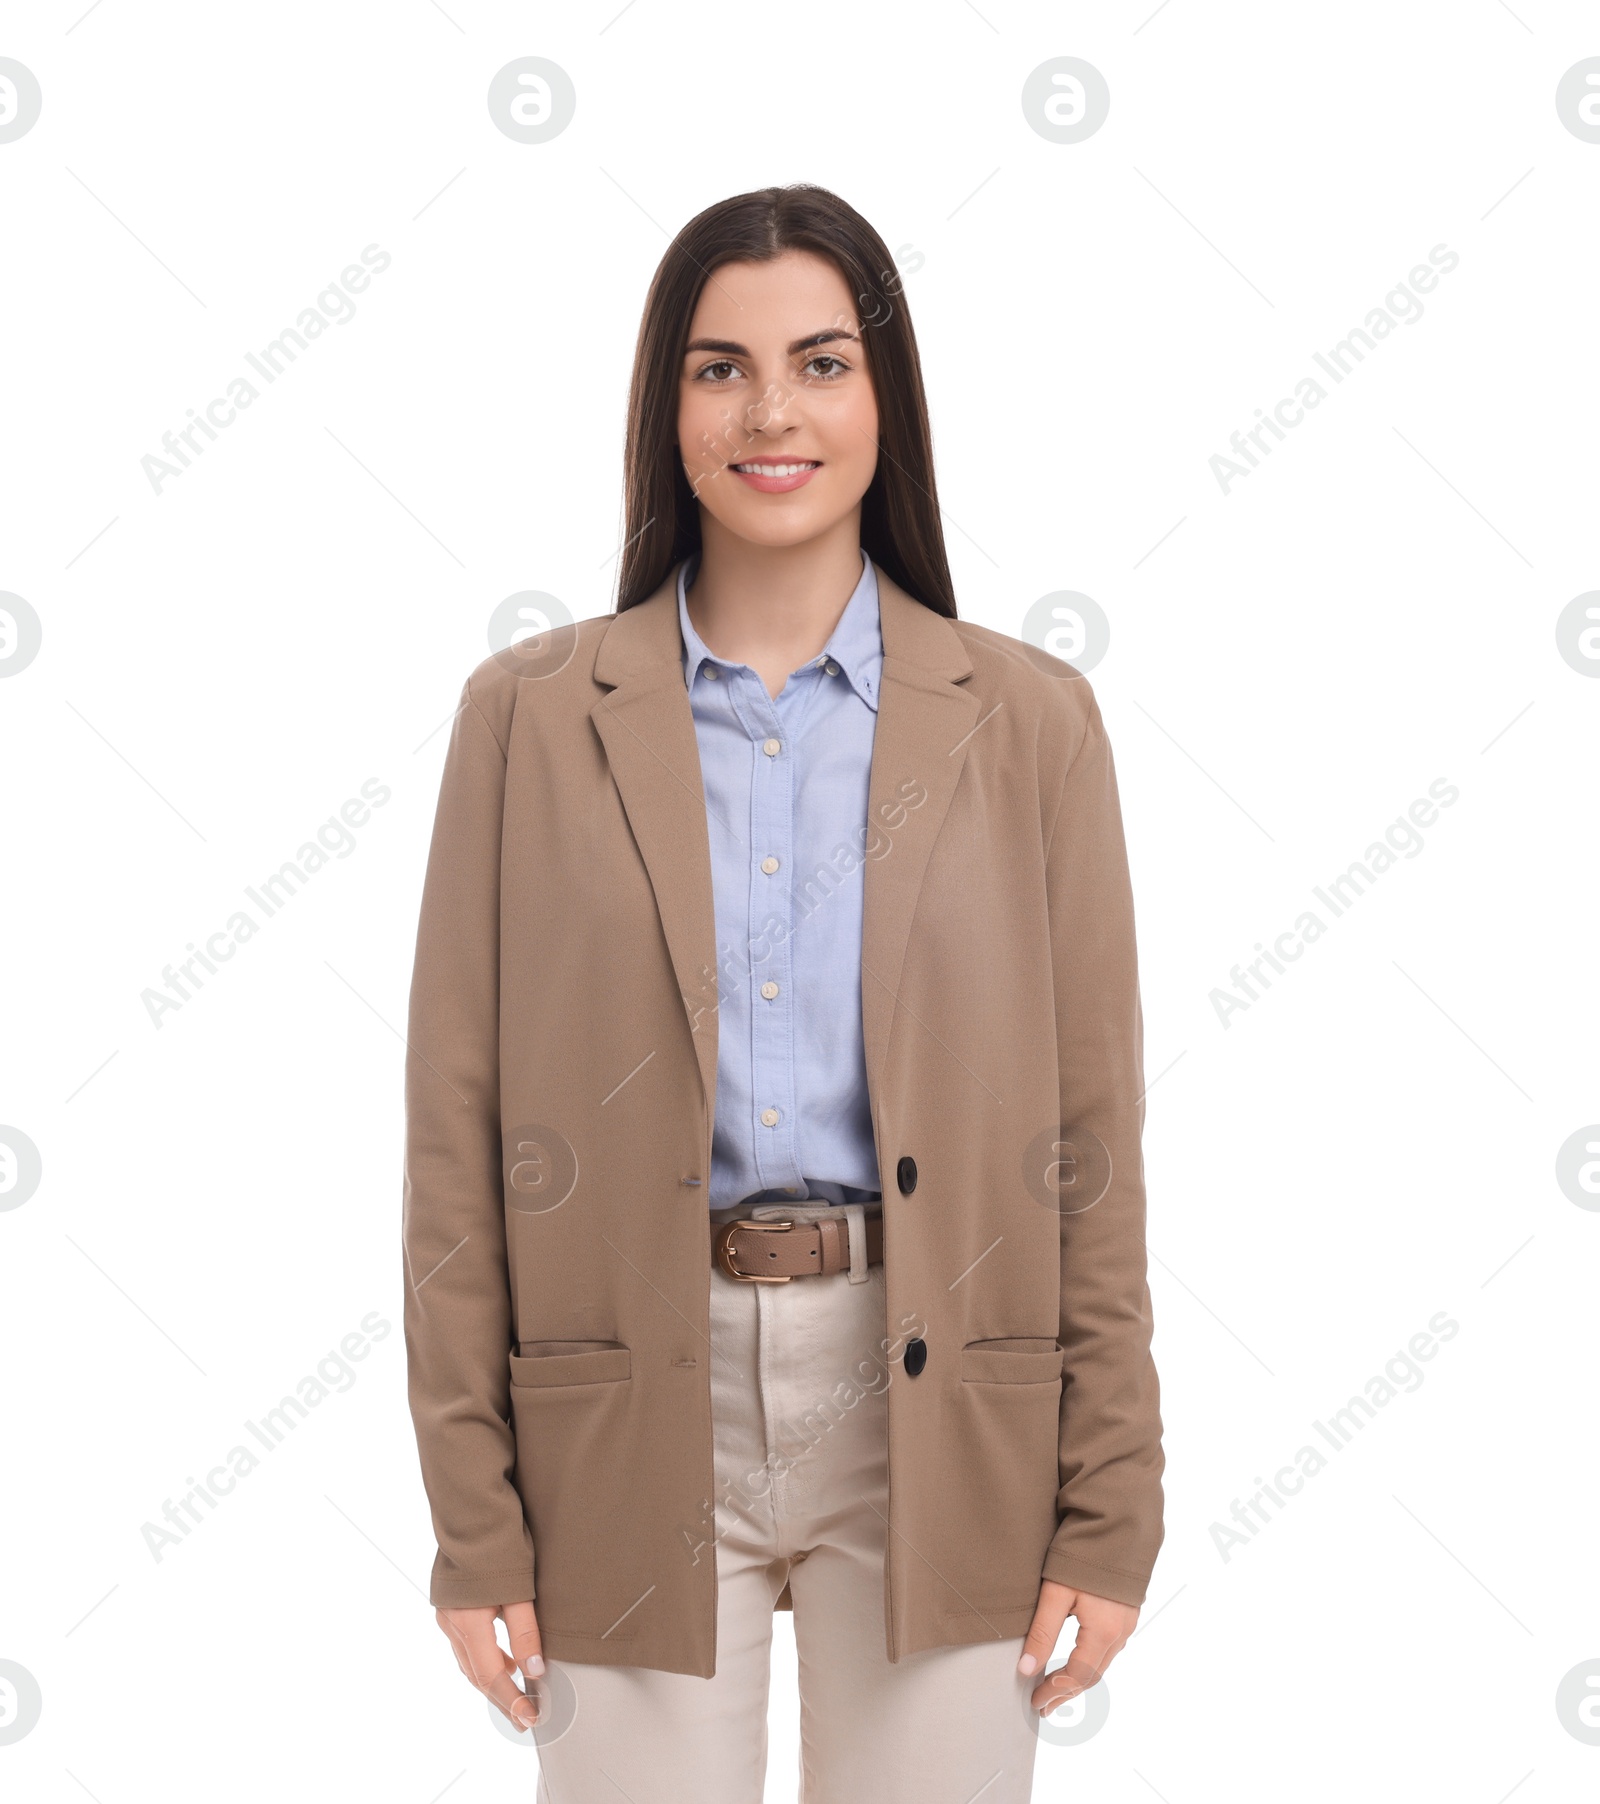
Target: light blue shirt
(786,807)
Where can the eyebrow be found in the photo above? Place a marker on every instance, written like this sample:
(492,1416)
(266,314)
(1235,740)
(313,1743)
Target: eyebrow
(727,346)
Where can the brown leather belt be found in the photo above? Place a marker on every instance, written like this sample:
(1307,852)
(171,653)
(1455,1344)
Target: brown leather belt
(773,1252)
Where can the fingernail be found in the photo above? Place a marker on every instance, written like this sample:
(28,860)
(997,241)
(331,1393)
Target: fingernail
(524,1714)
(533,1666)
(1027,1666)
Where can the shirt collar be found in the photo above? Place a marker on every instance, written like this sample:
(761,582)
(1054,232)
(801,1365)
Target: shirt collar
(855,645)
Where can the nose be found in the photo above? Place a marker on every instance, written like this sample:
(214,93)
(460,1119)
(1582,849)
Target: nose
(772,411)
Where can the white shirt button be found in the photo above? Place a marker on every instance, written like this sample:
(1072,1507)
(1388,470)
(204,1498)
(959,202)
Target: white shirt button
(709,670)
(770,747)
(832,668)
(769,990)
(769,864)
(770,1117)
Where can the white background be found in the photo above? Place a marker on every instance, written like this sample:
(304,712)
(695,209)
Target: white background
(1291,664)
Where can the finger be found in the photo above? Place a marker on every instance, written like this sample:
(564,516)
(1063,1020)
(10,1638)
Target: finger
(479,1655)
(453,1623)
(488,1666)
(1049,1615)
(1092,1652)
(451,1626)
(522,1630)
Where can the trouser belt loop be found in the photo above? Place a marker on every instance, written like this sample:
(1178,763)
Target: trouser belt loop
(856,1217)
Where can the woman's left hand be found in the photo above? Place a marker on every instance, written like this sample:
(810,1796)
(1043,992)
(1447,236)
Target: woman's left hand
(1103,1630)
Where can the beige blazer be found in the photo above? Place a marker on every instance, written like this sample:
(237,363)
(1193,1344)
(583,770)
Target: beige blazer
(560,1081)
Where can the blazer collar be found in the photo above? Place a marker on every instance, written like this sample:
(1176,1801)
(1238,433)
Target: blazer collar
(925,722)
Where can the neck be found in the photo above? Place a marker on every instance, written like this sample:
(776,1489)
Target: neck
(772,606)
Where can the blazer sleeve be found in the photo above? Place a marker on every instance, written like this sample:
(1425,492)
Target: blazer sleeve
(458,1323)
(1109,1505)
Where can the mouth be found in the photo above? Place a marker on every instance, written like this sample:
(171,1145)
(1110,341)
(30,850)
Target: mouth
(774,476)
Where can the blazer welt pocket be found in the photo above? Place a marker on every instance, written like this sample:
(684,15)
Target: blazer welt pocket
(1017,1360)
(552,1362)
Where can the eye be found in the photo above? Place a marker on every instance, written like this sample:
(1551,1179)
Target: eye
(840,368)
(722,363)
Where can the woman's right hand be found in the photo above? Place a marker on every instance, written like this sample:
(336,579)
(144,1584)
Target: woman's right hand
(487,1664)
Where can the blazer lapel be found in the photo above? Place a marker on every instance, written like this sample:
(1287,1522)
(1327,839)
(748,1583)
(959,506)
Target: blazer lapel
(924,723)
(647,727)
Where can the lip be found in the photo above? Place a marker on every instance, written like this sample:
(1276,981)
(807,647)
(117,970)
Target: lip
(777,485)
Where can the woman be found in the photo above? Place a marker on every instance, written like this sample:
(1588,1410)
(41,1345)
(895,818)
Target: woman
(774,1102)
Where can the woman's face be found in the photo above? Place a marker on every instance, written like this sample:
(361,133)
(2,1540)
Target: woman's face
(775,375)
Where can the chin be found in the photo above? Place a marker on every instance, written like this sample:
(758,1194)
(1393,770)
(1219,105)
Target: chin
(796,529)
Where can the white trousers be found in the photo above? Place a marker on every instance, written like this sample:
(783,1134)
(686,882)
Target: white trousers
(799,1376)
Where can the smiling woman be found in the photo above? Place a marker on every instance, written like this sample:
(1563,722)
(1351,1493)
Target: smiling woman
(837,356)
(793,416)
(795,911)
(721,371)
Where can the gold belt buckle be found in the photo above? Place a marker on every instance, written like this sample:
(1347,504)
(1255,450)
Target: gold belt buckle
(724,1248)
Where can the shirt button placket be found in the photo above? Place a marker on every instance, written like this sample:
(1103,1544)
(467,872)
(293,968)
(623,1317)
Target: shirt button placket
(772,1023)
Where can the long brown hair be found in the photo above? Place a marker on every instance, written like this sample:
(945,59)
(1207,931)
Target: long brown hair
(900,526)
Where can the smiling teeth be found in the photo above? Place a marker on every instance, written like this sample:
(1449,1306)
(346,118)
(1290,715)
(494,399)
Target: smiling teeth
(773,469)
